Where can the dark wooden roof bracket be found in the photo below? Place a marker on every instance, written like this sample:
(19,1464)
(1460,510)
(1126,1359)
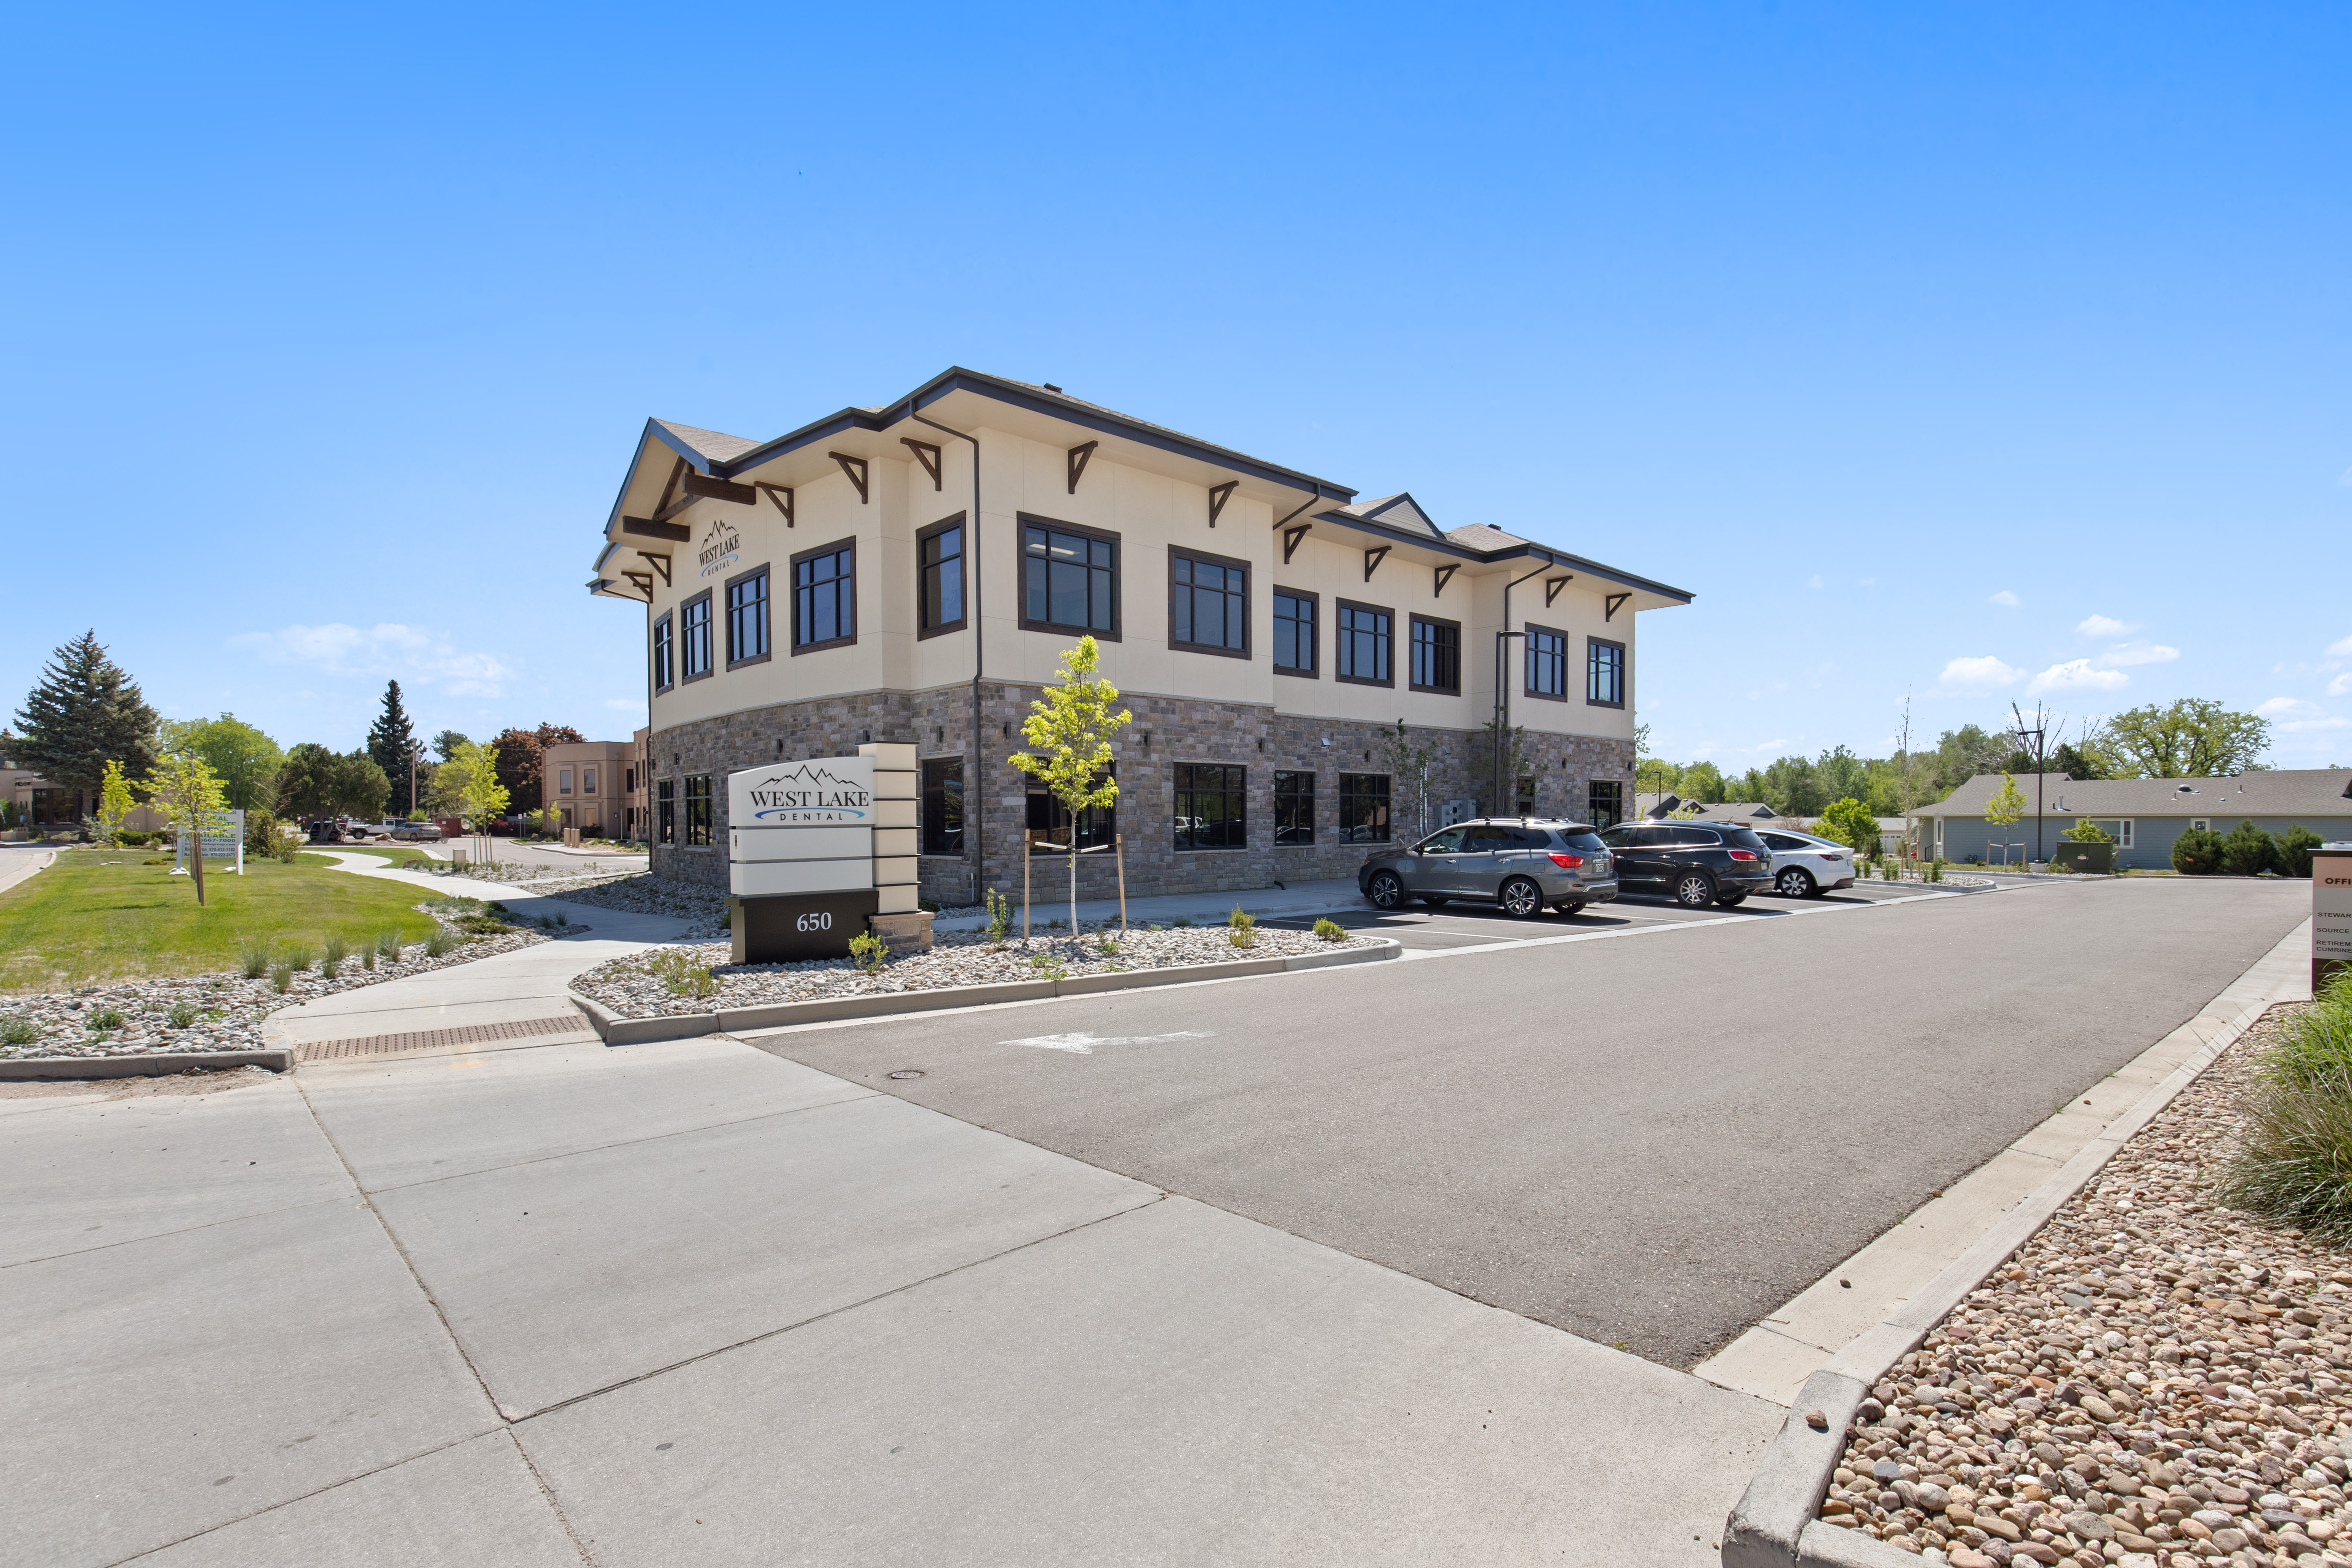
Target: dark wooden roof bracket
(1552,585)
(1612,605)
(1443,575)
(1218,496)
(926,454)
(781,496)
(855,468)
(1290,538)
(1079,457)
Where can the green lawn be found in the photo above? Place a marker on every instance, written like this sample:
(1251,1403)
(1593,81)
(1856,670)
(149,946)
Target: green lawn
(98,915)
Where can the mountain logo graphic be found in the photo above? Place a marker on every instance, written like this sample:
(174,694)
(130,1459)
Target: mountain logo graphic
(809,794)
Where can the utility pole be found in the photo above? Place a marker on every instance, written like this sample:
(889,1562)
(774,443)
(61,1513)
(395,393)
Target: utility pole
(2040,768)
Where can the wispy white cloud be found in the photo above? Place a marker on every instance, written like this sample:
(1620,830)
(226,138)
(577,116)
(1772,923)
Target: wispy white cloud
(2005,599)
(2123,656)
(625,704)
(2341,686)
(2104,627)
(2279,707)
(2075,675)
(386,650)
(2341,649)
(1978,674)
(2328,723)
(1813,582)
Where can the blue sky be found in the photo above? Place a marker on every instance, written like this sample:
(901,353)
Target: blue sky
(1968,352)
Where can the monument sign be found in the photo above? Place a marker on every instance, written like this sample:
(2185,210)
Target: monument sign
(2331,912)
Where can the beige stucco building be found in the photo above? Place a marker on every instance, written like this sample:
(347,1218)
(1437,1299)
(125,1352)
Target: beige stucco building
(1267,629)
(587,781)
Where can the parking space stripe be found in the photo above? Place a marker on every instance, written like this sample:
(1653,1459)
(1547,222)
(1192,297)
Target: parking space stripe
(1411,954)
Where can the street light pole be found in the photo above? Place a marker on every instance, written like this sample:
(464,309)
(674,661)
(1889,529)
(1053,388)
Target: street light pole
(2041,767)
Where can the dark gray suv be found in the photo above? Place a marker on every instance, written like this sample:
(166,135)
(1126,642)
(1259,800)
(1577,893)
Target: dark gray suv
(1527,865)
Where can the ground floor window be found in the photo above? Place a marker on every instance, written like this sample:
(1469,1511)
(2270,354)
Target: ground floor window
(1049,822)
(1604,801)
(944,805)
(666,812)
(1364,808)
(1524,803)
(2118,829)
(1210,813)
(698,811)
(1294,808)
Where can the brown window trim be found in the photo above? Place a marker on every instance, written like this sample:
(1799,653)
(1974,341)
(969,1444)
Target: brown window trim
(1411,621)
(1249,602)
(1313,672)
(1625,672)
(963,566)
(1566,644)
(711,628)
(792,585)
(727,631)
(1337,604)
(661,623)
(1023,521)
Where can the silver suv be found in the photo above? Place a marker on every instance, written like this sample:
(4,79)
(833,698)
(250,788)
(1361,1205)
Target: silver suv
(1525,864)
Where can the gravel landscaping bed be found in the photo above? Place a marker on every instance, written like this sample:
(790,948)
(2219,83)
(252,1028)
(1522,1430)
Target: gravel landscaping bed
(640,893)
(2151,1378)
(634,988)
(220,1012)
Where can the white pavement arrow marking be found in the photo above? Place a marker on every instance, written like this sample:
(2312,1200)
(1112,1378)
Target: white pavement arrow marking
(1084,1045)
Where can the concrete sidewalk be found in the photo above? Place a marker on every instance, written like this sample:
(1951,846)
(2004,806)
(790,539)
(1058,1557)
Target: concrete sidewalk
(18,861)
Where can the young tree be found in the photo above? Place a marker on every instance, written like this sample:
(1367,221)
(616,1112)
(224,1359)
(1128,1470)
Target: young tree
(2007,804)
(183,789)
(85,714)
(245,760)
(466,785)
(1408,770)
(113,801)
(388,743)
(2193,738)
(1497,795)
(1071,725)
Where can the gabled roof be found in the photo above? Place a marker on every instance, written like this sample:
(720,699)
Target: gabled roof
(2273,792)
(690,442)
(1398,512)
(1741,810)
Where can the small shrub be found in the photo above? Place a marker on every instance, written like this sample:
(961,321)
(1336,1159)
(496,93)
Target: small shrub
(928,906)
(441,942)
(2196,853)
(253,956)
(1108,946)
(1181,922)
(1000,918)
(1330,929)
(680,976)
(106,1020)
(261,836)
(1240,928)
(2249,851)
(281,977)
(483,925)
(287,851)
(2295,848)
(17,1031)
(868,952)
(182,1015)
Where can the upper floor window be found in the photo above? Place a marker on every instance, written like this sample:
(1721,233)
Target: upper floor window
(938,556)
(1208,603)
(1293,632)
(587,781)
(694,636)
(747,617)
(1436,654)
(564,781)
(1363,640)
(824,597)
(942,805)
(1604,673)
(662,653)
(1546,664)
(1069,579)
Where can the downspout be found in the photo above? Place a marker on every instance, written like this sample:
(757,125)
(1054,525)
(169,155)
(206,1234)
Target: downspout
(975,799)
(1502,669)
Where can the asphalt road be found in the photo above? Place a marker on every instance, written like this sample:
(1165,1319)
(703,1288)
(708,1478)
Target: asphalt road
(1649,1140)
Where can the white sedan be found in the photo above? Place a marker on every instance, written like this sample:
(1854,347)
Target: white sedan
(1804,866)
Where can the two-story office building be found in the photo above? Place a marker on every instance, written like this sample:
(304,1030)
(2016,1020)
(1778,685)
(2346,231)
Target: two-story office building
(912,573)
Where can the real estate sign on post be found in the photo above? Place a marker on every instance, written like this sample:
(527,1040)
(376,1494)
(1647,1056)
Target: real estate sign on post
(800,858)
(223,839)
(2331,912)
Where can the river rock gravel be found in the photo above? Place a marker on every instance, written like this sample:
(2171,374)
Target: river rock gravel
(634,988)
(2150,1379)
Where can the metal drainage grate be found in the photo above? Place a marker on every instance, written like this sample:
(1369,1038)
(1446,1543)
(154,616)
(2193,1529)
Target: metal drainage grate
(426,1040)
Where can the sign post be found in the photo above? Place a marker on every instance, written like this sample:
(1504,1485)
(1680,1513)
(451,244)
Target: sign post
(2331,912)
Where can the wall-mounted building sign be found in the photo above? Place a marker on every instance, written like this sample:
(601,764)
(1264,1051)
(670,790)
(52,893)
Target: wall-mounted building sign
(721,548)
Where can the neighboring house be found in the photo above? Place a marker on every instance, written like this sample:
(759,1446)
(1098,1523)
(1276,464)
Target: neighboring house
(45,804)
(1747,813)
(2144,816)
(586,782)
(833,587)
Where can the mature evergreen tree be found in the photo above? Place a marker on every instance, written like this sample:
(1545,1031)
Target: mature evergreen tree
(388,745)
(447,742)
(85,714)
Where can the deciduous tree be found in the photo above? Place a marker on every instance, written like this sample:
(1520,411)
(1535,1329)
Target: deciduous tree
(245,760)
(2192,738)
(1068,729)
(182,786)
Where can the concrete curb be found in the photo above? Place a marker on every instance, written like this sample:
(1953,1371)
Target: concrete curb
(619,1031)
(1773,1525)
(143,1066)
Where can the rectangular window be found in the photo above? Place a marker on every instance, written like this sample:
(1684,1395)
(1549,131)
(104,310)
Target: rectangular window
(1049,822)
(587,781)
(1293,632)
(1546,664)
(665,811)
(1525,805)
(1604,673)
(661,654)
(1069,578)
(1210,811)
(698,812)
(2120,831)
(1364,808)
(694,636)
(747,617)
(824,597)
(628,781)
(564,781)
(1208,603)
(1436,654)
(1604,802)
(1361,638)
(1294,808)
(938,556)
(944,805)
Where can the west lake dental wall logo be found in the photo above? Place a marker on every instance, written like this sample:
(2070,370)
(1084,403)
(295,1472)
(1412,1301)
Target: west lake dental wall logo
(721,548)
(809,794)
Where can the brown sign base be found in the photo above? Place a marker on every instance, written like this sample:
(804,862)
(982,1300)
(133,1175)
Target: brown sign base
(795,927)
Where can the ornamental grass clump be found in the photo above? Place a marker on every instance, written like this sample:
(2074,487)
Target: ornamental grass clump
(1330,929)
(2293,1164)
(182,1015)
(337,949)
(281,977)
(253,956)
(17,1031)
(680,976)
(442,943)
(1240,928)
(387,944)
(106,1020)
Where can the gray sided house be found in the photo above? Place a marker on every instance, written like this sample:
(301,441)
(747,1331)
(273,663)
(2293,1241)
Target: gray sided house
(2144,816)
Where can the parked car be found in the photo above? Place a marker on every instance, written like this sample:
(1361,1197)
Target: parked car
(1696,863)
(1526,865)
(324,830)
(414,832)
(1806,866)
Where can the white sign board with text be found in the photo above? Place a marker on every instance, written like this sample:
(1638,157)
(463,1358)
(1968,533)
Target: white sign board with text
(2331,909)
(223,840)
(800,828)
